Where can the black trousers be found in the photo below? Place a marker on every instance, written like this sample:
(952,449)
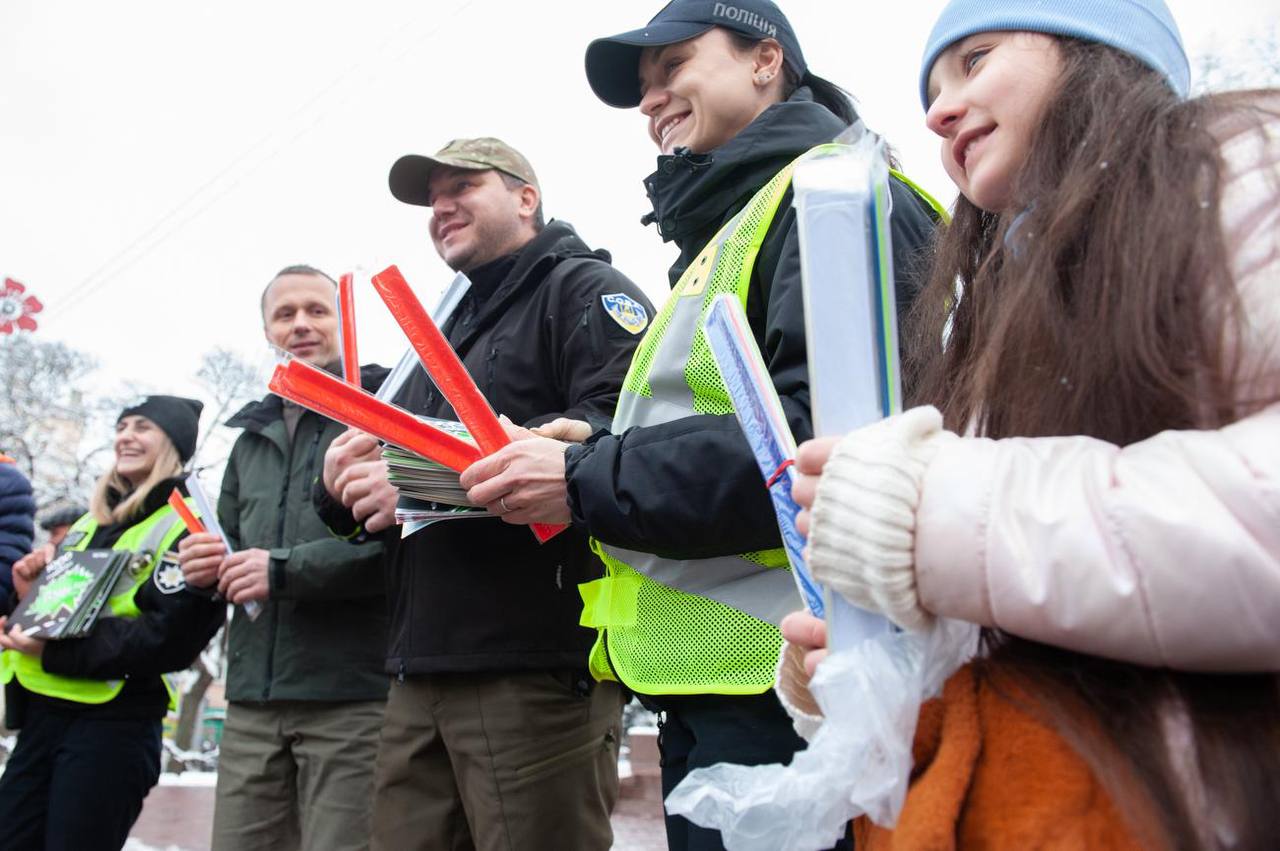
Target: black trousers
(75,782)
(696,731)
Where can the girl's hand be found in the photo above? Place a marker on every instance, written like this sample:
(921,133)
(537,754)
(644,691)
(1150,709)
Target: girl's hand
(811,458)
(804,647)
(16,639)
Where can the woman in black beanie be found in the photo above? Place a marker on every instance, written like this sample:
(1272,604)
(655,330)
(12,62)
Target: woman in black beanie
(90,708)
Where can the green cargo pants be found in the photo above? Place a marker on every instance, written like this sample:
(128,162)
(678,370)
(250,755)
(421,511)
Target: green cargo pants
(517,760)
(296,775)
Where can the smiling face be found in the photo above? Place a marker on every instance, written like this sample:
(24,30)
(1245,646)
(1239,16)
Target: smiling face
(137,445)
(299,316)
(700,93)
(987,93)
(476,217)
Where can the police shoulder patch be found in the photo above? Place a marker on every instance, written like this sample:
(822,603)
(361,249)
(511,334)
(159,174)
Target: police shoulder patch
(626,311)
(168,575)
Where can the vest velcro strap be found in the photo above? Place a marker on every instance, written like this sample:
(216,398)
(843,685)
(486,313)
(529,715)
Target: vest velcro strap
(609,602)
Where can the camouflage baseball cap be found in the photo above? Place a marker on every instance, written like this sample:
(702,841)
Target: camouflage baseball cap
(409,174)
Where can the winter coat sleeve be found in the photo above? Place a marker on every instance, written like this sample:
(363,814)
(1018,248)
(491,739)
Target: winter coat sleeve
(327,569)
(167,635)
(691,488)
(1163,553)
(17,524)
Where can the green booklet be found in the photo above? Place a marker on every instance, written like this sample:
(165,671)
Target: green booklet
(65,601)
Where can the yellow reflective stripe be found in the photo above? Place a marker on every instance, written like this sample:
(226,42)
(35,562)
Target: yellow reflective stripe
(924,195)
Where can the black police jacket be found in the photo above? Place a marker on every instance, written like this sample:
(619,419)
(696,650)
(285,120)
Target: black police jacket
(690,488)
(541,342)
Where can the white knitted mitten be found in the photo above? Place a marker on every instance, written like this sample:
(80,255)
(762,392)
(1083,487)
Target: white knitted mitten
(862,534)
(792,685)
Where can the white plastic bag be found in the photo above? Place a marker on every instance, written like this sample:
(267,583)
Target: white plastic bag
(858,763)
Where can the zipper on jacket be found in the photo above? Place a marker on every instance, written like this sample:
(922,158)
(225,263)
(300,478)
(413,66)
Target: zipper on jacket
(400,672)
(282,511)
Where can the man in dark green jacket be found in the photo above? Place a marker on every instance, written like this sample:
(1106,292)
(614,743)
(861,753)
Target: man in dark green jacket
(305,682)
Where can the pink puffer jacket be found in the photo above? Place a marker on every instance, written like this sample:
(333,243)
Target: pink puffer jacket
(1165,552)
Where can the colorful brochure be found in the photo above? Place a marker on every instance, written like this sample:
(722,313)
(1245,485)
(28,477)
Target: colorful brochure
(64,602)
(759,411)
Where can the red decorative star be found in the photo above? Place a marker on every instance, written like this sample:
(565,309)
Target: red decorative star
(16,309)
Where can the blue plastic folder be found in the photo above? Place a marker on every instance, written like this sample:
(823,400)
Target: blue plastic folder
(760,413)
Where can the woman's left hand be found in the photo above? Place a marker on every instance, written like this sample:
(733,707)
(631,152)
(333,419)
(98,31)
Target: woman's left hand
(16,639)
(523,482)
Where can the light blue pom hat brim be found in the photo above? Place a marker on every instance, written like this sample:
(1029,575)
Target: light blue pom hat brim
(1144,29)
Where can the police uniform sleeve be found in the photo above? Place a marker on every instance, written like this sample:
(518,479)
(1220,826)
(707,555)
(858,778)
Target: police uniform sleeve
(172,627)
(691,488)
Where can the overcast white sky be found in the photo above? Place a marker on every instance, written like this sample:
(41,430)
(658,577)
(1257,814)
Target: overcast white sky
(160,160)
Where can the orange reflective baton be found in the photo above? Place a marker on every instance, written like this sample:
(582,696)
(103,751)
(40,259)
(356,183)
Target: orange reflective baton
(347,329)
(446,370)
(319,391)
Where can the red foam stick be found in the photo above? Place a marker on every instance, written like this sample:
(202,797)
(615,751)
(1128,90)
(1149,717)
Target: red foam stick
(446,370)
(189,519)
(319,391)
(347,325)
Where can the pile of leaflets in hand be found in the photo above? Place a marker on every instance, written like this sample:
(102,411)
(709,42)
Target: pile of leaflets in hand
(65,601)
(428,490)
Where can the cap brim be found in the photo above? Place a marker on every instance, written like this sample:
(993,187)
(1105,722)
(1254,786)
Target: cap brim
(409,175)
(613,63)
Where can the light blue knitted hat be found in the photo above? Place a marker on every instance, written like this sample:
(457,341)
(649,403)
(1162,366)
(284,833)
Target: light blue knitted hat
(1144,29)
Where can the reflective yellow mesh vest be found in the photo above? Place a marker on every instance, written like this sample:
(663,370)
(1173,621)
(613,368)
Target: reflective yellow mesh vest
(149,540)
(701,626)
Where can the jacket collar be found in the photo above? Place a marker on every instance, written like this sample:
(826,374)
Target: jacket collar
(555,242)
(695,193)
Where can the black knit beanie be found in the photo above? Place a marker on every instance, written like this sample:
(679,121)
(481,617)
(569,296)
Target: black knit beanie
(177,417)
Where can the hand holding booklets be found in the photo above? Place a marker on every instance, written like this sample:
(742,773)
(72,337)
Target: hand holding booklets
(317,390)
(65,600)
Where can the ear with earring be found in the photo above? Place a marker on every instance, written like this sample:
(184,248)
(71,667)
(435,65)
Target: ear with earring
(763,78)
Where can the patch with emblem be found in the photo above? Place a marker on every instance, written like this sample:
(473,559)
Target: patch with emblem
(626,311)
(168,575)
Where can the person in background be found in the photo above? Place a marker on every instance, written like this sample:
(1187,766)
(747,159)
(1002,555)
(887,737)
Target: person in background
(1093,474)
(89,709)
(305,687)
(58,522)
(697,582)
(496,736)
(17,508)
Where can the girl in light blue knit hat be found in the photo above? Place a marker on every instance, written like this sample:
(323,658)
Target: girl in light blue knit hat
(1093,471)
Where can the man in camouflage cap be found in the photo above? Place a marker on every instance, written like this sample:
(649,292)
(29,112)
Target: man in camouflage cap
(496,736)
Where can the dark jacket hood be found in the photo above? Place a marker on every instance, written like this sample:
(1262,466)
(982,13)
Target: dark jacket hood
(691,192)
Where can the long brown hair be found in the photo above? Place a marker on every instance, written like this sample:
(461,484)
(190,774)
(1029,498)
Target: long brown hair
(1105,306)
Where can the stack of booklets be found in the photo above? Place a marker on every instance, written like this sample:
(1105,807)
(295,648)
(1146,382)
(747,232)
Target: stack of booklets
(429,491)
(65,601)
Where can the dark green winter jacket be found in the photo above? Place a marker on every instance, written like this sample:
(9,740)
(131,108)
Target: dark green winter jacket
(322,634)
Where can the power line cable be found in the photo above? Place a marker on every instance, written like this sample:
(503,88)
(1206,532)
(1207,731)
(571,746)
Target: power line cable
(121,261)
